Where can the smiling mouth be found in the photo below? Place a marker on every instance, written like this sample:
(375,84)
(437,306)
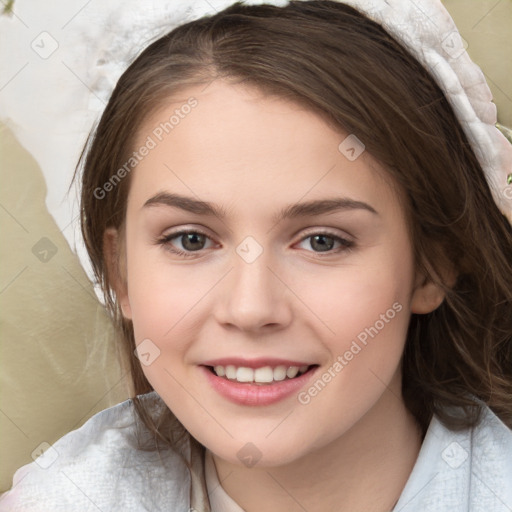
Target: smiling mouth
(264,375)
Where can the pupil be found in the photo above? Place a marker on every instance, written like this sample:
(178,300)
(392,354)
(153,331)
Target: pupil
(192,237)
(322,246)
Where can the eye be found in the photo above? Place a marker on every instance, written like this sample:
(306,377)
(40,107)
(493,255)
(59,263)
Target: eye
(191,241)
(325,241)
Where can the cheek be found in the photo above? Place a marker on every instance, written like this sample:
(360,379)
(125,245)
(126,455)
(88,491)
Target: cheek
(352,298)
(164,297)
(365,311)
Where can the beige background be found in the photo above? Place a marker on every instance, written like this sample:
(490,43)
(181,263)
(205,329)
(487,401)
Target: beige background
(58,363)
(486,26)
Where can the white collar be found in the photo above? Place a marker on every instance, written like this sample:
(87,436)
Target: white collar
(220,501)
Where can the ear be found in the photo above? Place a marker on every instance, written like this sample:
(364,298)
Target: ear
(428,295)
(113,253)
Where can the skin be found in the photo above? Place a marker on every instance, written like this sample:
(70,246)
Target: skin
(353,446)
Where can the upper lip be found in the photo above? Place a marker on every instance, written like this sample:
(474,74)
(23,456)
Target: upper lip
(254,363)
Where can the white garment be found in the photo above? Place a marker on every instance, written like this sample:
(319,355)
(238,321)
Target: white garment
(98,468)
(220,501)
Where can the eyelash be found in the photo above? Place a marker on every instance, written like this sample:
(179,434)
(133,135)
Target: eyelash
(347,245)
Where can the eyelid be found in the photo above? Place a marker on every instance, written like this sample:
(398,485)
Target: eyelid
(184,230)
(327,231)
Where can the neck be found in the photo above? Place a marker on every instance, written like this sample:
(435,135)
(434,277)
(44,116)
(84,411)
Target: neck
(364,469)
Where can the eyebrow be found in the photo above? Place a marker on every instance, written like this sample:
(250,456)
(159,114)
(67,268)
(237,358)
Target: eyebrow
(306,209)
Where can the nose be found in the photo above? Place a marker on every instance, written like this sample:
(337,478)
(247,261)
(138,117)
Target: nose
(253,296)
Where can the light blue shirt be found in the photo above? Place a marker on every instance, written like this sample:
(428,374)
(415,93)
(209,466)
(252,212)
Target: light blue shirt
(99,468)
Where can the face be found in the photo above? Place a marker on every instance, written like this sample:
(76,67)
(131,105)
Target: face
(305,262)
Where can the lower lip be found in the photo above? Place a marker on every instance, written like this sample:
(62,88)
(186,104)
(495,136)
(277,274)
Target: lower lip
(254,394)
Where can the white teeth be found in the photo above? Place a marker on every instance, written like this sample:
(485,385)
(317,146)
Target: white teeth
(280,373)
(292,372)
(263,375)
(245,374)
(230,372)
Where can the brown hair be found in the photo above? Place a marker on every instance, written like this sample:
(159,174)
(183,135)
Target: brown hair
(347,68)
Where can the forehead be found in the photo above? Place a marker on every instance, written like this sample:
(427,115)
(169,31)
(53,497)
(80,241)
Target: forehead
(237,145)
